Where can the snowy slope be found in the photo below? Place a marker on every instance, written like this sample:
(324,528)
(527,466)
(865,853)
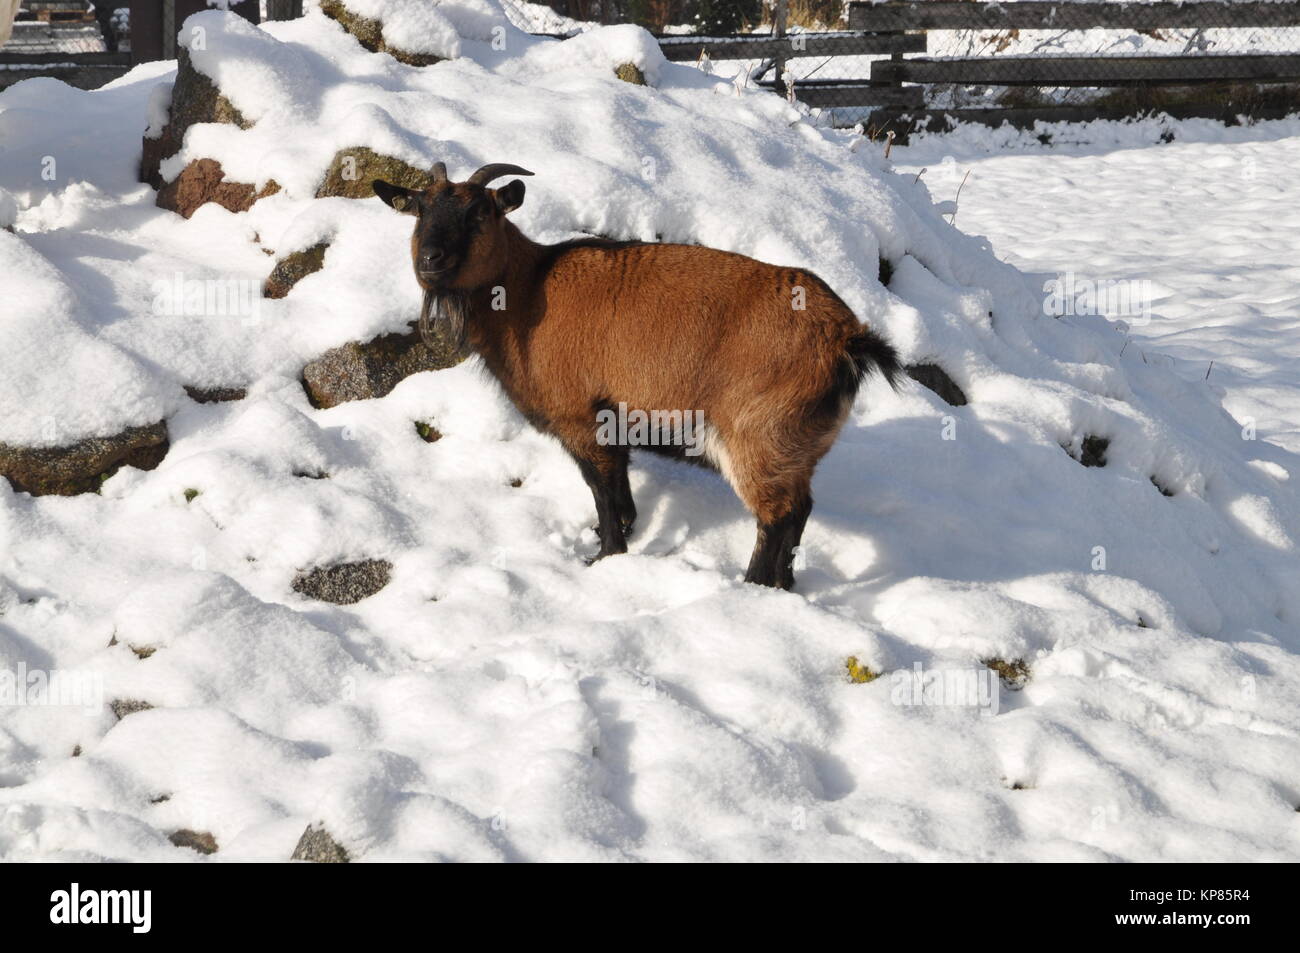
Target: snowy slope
(501,700)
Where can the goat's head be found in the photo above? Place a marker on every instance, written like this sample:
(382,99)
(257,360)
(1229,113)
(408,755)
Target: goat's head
(459,243)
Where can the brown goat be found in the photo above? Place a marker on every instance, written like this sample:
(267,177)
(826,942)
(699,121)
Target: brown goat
(770,356)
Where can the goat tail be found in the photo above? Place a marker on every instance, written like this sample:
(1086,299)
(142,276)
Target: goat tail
(864,352)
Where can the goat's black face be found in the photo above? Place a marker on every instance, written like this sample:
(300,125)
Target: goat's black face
(458,243)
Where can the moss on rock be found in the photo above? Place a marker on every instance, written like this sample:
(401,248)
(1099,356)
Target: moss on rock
(352,171)
(630,73)
(1013,672)
(859,674)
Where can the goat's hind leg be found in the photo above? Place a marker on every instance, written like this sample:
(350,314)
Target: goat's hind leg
(772,561)
(623,502)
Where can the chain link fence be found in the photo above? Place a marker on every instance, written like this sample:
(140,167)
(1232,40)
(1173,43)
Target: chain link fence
(55,26)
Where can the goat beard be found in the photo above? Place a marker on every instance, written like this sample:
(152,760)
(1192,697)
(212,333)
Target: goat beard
(442,320)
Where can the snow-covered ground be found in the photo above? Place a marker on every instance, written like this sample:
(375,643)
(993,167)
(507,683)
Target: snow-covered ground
(1209,219)
(501,700)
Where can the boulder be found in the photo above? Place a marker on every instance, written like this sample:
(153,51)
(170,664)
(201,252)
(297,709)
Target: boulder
(291,269)
(344,583)
(370,34)
(203,181)
(364,370)
(85,465)
(195,98)
(352,171)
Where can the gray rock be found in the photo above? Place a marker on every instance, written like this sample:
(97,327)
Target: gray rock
(344,583)
(317,847)
(215,395)
(127,706)
(364,370)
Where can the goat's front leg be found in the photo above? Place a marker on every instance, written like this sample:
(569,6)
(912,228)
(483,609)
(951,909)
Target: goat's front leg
(601,468)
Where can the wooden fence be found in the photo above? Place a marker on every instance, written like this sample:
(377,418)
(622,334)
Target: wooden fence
(900,82)
(898,88)
(1214,85)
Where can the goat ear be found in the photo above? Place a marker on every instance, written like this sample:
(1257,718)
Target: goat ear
(509,197)
(394,196)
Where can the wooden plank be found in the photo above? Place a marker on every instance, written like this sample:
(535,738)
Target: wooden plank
(60,59)
(687,49)
(1089,70)
(1066,15)
(854,93)
(902,121)
(65,16)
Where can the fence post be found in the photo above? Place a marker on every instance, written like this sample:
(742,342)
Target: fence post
(778,29)
(154,24)
(283,9)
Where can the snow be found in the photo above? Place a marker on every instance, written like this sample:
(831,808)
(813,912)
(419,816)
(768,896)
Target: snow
(499,699)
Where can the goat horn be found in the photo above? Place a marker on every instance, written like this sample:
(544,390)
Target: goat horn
(494,171)
(439,172)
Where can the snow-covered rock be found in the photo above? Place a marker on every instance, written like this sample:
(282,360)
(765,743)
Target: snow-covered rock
(497,698)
